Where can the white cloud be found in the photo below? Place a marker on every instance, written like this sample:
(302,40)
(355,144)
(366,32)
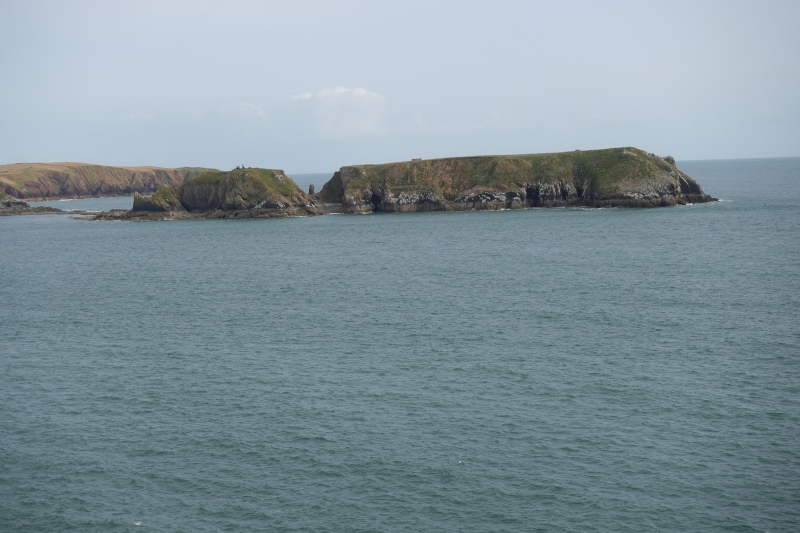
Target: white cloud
(243,110)
(344,113)
(187,113)
(301,97)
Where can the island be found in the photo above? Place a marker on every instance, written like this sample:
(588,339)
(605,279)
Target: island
(239,193)
(10,205)
(614,177)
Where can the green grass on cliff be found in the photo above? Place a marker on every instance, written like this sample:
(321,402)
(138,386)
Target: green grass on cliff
(165,195)
(598,170)
(273,181)
(55,180)
(192,172)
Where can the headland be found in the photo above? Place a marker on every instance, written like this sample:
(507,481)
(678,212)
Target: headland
(55,181)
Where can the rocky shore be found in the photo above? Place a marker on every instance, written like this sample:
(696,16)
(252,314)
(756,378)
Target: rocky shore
(10,205)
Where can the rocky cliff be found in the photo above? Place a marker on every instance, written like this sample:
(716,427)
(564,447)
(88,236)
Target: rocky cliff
(245,192)
(79,180)
(626,177)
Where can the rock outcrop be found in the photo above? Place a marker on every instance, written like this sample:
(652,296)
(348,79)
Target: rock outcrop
(240,193)
(164,200)
(617,177)
(78,180)
(14,206)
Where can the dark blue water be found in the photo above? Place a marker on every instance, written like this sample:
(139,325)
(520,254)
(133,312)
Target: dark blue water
(538,370)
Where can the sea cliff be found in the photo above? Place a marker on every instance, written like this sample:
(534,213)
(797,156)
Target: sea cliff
(39,181)
(617,177)
(240,193)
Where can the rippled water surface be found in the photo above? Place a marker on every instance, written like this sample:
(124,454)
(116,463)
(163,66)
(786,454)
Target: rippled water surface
(561,369)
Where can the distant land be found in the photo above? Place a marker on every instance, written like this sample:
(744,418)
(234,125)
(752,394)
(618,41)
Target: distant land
(50,181)
(614,177)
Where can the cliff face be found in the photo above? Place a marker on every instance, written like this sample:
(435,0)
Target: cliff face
(78,180)
(251,192)
(242,189)
(163,200)
(626,177)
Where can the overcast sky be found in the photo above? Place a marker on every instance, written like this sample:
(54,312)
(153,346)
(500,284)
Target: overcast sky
(309,86)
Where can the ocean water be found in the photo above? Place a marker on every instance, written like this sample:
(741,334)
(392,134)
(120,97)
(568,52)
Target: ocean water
(89,204)
(318,180)
(537,370)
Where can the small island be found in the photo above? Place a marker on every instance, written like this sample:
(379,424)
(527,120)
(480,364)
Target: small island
(617,177)
(239,193)
(9,205)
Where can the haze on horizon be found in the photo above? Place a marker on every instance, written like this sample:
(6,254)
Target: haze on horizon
(311,85)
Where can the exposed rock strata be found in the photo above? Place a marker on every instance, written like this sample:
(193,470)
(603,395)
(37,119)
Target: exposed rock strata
(619,177)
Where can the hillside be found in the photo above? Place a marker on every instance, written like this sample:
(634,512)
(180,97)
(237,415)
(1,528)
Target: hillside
(626,177)
(79,180)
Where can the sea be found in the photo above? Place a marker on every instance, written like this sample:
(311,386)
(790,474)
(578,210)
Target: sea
(563,369)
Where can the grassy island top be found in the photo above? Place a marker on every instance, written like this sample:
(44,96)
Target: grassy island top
(267,180)
(602,171)
(241,188)
(19,173)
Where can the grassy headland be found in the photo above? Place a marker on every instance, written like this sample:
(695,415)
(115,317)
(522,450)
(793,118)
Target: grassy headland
(616,176)
(81,180)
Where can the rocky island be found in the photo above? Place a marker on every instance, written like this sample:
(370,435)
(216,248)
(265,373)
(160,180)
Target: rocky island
(240,193)
(14,206)
(617,177)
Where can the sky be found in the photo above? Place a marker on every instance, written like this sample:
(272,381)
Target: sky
(310,86)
